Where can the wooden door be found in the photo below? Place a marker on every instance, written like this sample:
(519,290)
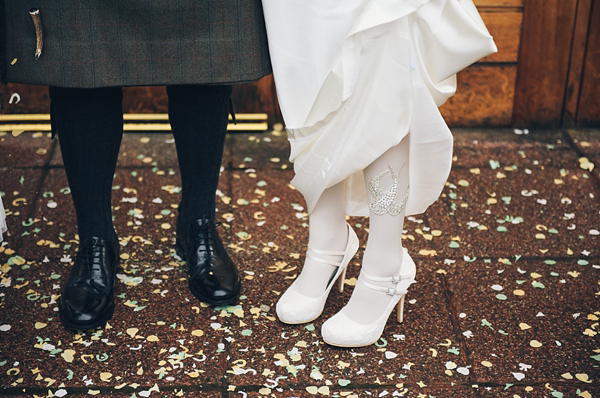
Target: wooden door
(558,72)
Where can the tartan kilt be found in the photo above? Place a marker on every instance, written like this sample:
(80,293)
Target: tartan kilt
(106,43)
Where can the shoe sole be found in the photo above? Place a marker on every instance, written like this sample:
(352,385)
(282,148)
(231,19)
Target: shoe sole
(299,323)
(228,301)
(350,346)
(93,325)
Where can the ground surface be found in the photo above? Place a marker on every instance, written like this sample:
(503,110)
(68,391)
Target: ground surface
(507,303)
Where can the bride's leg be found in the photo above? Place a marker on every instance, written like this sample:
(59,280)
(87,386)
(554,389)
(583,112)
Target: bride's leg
(383,254)
(328,232)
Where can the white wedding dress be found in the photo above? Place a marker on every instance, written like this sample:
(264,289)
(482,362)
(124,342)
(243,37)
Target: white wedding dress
(345,83)
(2,220)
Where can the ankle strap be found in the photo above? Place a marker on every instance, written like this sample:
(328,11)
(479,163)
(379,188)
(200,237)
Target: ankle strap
(391,291)
(310,254)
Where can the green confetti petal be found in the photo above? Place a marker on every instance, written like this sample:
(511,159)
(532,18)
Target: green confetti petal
(242,235)
(102,357)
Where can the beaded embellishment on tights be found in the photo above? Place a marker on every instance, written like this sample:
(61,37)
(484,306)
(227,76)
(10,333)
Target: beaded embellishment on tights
(386,202)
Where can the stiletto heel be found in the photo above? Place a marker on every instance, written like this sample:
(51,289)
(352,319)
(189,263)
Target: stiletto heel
(400,310)
(342,280)
(342,331)
(294,307)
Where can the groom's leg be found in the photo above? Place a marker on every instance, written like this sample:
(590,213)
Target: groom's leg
(198,116)
(89,124)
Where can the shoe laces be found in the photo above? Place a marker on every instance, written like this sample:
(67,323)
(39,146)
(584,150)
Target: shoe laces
(92,254)
(204,236)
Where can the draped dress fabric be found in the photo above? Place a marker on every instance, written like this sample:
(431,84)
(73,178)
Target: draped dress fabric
(347,75)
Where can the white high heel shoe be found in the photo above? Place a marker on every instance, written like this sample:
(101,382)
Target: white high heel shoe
(342,331)
(294,307)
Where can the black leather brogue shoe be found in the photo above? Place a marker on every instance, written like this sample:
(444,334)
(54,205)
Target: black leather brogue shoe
(87,300)
(214,278)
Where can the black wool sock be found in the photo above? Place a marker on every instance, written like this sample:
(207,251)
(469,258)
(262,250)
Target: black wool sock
(198,117)
(89,125)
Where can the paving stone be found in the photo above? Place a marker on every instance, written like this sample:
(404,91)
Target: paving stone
(550,390)
(474,149)
(127,391)
(144,211)
(158,150)
(335,390)
(18,189)
(527,320)
(267,150)
(143,343)
(547,212)
(588,143)
(413,351)
(140,150)
(25,150)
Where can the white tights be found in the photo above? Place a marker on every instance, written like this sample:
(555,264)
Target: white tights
(383,254)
